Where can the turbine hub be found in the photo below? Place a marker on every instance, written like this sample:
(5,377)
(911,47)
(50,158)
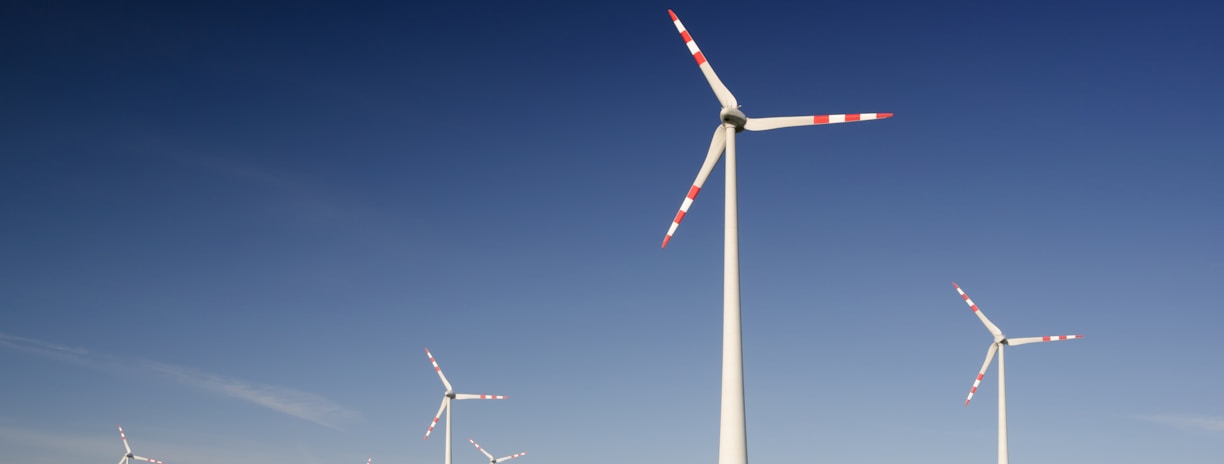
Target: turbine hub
(734,117)
(450,394)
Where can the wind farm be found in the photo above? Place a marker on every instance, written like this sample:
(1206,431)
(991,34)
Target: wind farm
(234,228)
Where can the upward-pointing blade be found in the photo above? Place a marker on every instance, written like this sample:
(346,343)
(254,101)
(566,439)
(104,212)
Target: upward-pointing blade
(763,124)
(124,438)
(724,96)
(994,330)
(486,453)
(439,370)
(717,145)
(982,373)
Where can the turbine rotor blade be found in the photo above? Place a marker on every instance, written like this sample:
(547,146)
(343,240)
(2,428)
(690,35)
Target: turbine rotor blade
(982,373)
(994,330)
(142,458)
(486,453)
(439,370)
(445,403)
(724,95)
(123,460)
(123,437)
(763,124)
(469,396)
(1052,338)
(717,145)
(507,458)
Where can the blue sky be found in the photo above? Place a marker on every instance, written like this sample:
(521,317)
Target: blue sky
(234,229)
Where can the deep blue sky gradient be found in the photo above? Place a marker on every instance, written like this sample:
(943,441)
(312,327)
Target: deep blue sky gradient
(233,229)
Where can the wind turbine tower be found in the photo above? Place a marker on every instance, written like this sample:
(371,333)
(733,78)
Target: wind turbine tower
(732,435)
(997,345)
(446,404)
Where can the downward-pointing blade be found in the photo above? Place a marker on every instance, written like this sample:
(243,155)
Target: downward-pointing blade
(123,437)
(762,124)
(717,145)
(469,396)
(439,370)
(1052,338)
(123,459)
(724,96)
(445,402)
(486,453)
(507,458)
(994,330)
(982,373)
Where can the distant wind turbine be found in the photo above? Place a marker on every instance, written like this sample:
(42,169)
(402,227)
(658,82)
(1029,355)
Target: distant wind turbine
(128,456)
(997,346)
(732,435)
(446,402)
(491,459)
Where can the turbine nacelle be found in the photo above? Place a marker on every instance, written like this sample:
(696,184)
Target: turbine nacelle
(734,117)
(449,394)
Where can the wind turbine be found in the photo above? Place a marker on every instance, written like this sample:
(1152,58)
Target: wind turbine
(997,346)
(128,456)
(495,461)
(732,437)
(446,401)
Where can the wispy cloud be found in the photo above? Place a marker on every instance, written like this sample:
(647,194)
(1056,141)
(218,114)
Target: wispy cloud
(63,353)
(296,403)
(1187,421)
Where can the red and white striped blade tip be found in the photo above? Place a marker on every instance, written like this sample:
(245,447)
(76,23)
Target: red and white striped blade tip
(469,396)
(850,117)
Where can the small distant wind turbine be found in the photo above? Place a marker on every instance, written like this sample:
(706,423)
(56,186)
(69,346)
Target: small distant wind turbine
(495,461)
(446,401)
(732,431)
(128,456)
(997,345)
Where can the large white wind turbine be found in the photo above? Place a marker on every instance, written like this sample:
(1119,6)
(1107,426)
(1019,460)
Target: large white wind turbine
(128,456)
(446,402)
(732,438)
(997,346)
(491,459)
